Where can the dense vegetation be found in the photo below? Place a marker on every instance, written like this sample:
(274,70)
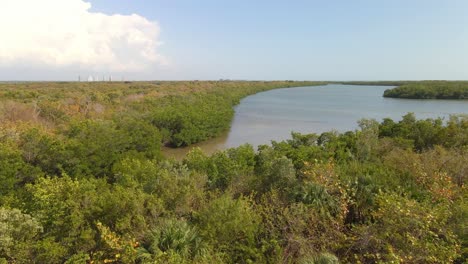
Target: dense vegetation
(430,90)
(83,181)
(183,112)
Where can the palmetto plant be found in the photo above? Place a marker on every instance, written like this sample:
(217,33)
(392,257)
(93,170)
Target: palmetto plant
(173,237)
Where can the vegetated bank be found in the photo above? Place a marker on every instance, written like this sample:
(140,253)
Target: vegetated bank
(183,112)
(82,181)
(430,90)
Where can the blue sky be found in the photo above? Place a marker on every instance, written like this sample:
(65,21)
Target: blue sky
(313,40)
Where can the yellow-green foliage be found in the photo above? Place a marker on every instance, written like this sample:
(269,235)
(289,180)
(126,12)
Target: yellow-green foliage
(405,230)
(184,112)
(82,180)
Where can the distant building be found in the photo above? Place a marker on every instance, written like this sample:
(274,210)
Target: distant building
(90,79)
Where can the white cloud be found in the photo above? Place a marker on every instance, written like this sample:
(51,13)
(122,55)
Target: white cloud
(62,33)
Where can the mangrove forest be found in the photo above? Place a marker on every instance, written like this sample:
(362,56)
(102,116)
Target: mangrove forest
(83,180)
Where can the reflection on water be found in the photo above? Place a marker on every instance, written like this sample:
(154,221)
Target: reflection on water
(272,115)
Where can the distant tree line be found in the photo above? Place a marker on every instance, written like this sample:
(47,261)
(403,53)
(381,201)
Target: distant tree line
(377,83)
(430,90)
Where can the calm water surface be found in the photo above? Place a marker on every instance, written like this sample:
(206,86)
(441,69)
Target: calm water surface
(272,115)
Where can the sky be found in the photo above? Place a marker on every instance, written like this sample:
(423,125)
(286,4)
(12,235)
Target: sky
(239,40)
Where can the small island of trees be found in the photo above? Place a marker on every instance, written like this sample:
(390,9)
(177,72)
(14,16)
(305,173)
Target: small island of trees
(430,90)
